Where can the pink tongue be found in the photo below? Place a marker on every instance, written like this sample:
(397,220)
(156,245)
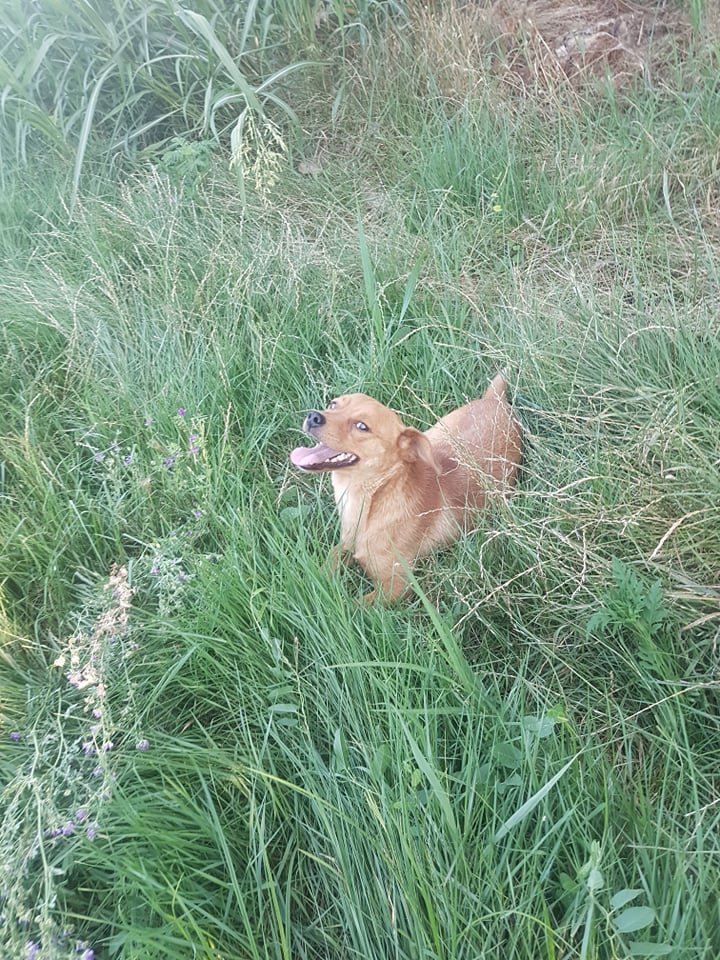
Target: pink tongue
(305,457)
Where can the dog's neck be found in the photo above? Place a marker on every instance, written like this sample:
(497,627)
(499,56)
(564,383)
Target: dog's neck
(356,500)
(353,500)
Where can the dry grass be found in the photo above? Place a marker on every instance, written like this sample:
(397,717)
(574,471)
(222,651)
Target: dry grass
(540,43)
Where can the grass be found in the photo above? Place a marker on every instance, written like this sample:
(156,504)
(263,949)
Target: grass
(208,749)
(139,75)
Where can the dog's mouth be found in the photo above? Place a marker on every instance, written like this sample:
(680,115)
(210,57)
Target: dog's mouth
(321,457)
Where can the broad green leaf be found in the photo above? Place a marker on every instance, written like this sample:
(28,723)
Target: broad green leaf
(557,713)
(507,755)
(634,918)
(514,780)
(622,897)
(288,514)
(643,949)
(541,726)
(567,883)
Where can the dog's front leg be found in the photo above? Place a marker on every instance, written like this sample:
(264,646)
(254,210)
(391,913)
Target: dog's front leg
(391,583)
(337,557)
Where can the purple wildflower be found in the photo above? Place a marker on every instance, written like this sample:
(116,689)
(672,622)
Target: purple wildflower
(68,829)
(148,421)
(128,460)
(88,954)
(193,451)
(33,950)
(143,744)
(169,461)
(98,771)
(98,457)
(108,745)
(15,736)
(91,831)
(181,412)
(88,748)
(81,814)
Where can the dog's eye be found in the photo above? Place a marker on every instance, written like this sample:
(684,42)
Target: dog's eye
(362,426)
(332,405)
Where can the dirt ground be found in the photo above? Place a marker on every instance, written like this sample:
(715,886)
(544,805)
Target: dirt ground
(550,40)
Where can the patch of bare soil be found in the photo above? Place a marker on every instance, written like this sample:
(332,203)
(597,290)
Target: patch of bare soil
(600,36)
(547,40)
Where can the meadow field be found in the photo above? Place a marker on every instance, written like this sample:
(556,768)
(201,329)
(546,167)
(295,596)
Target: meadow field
(217,216)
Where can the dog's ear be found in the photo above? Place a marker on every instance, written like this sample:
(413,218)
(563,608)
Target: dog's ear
(413,446)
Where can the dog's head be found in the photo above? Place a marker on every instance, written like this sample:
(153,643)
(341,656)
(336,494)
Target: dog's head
(357,433)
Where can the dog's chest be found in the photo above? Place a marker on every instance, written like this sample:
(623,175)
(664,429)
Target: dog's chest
(349,503)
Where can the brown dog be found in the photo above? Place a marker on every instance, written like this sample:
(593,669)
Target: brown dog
(402,493)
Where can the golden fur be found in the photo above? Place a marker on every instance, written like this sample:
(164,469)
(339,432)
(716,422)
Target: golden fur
(402,493)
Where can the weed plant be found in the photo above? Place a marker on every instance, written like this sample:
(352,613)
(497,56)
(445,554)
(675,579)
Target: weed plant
(208,748)
(138,74)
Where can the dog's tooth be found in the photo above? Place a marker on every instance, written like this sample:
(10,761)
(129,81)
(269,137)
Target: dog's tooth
(342,458)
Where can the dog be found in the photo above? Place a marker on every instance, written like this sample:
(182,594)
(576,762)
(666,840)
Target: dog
(402,493)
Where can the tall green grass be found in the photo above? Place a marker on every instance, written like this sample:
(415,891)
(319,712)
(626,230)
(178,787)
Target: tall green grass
(135,75)
(208,748)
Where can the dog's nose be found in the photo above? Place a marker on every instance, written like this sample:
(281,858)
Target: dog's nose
(314,419)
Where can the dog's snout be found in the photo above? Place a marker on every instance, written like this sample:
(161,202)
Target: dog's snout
(314,419)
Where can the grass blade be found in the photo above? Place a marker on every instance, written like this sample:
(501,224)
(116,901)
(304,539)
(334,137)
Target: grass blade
(531,803)
(85,131)
(201,26)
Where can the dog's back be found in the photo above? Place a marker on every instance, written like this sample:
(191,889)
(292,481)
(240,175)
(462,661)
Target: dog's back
(478,448)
